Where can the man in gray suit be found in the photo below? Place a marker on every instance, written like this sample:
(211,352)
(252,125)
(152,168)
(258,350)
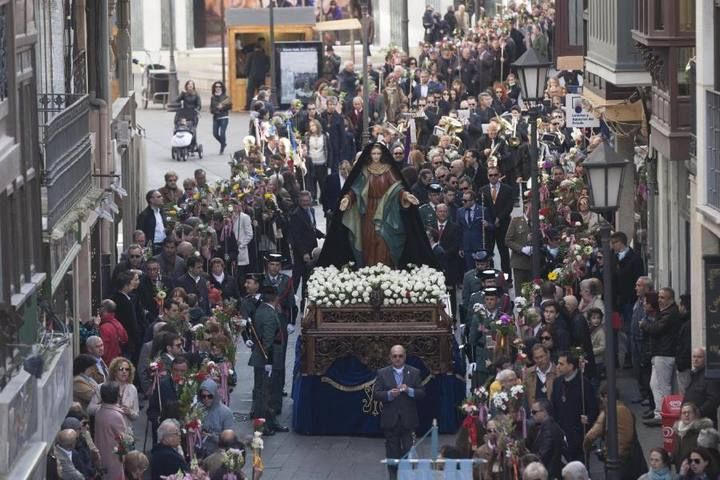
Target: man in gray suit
(63,451)
(398,386)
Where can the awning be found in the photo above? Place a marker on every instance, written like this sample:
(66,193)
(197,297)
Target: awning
(335,25)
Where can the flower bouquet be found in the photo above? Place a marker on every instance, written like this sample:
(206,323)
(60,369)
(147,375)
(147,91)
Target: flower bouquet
(125,445)
(333,287)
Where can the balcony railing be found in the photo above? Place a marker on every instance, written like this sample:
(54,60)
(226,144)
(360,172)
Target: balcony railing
(64,134)
(713,148)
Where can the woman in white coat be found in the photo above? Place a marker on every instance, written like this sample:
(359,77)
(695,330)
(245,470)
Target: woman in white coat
(243,230)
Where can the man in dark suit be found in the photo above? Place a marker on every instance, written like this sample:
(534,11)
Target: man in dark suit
(475,225)
(334,125)
(449,234)
(164,399)
(193,282)
(152,221)
(500,198)
(303,237)
(398,386)
(546,439)
(126,311)
(330,195)
(165,459)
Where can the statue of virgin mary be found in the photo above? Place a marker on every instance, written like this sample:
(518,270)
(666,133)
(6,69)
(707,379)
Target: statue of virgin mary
(377,220)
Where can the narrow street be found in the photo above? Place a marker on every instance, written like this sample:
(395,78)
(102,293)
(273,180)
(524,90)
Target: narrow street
(289,455)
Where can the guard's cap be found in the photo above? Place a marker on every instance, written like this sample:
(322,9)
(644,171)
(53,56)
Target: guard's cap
(435,188)
(488,274)
(274,257)
(481,255)
(491,292)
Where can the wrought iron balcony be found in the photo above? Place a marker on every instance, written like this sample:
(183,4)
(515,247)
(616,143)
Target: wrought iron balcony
(713,148)
(64,134)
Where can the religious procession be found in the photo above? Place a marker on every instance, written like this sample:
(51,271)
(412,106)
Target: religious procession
(443,249)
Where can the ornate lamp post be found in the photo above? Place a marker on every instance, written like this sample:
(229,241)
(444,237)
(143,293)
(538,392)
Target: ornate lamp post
(605,173)
(532,71)
(273,76)
(173,90)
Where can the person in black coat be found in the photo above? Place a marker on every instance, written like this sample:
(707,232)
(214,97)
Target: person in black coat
(501,200)
(147,221)
(303,237)
(449,240)
(330,194)
(126,312)
(702,391)
(398,387)
(258,66)
(165,459)
(193,282)
(574,404)
(334,125)
(628,268)
(219,279)
(546,438)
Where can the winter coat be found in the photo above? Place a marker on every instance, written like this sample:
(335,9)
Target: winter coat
(704,393)
(684,443)
(217,418)
(663,332)
(114,336)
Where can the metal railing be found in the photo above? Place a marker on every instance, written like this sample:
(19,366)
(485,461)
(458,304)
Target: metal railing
(67,161)
(713,148)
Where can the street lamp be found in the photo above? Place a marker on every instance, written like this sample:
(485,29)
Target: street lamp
(273,74)
(605,173)
(173,89)
(532,71)
(366,78)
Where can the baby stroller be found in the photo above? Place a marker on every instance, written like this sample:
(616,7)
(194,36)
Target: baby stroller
(184,141)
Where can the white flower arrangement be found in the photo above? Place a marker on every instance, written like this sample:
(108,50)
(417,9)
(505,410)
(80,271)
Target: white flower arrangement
(500,401)
(333,287)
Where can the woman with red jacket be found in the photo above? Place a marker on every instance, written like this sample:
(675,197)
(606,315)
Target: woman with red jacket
(112,332)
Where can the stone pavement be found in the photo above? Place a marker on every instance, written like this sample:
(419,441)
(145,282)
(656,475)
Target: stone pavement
(288,455)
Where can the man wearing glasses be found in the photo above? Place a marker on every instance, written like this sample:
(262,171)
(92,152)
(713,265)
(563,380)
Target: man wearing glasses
(398,386)
(218,417)
(165,459)
(501,200)
(546,439)
(475,223)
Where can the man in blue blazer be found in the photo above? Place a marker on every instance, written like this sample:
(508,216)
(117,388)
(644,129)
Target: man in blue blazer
(475,223)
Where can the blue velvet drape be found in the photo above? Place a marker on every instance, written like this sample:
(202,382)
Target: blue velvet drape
(327,408)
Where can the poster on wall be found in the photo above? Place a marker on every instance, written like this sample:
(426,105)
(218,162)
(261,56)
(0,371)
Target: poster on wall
(297,67)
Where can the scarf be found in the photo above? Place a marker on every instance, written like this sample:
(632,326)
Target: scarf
(661,474)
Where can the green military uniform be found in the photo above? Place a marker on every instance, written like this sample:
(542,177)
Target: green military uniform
(477,346)
(247,307)
(287,311)
(266,326)
(428,215)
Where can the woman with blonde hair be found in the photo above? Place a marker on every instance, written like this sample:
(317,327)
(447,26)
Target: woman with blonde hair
(122,371)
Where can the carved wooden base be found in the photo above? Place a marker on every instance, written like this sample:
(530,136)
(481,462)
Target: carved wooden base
(368,333)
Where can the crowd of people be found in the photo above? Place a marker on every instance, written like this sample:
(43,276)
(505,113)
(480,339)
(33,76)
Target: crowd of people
(203,276)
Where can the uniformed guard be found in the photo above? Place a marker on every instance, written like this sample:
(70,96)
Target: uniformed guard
(249,303)
(287,311)
(265,354)
(427,210)
(479,329)
(471,282)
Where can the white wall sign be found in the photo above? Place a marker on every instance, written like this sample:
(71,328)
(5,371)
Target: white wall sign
(578,113)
